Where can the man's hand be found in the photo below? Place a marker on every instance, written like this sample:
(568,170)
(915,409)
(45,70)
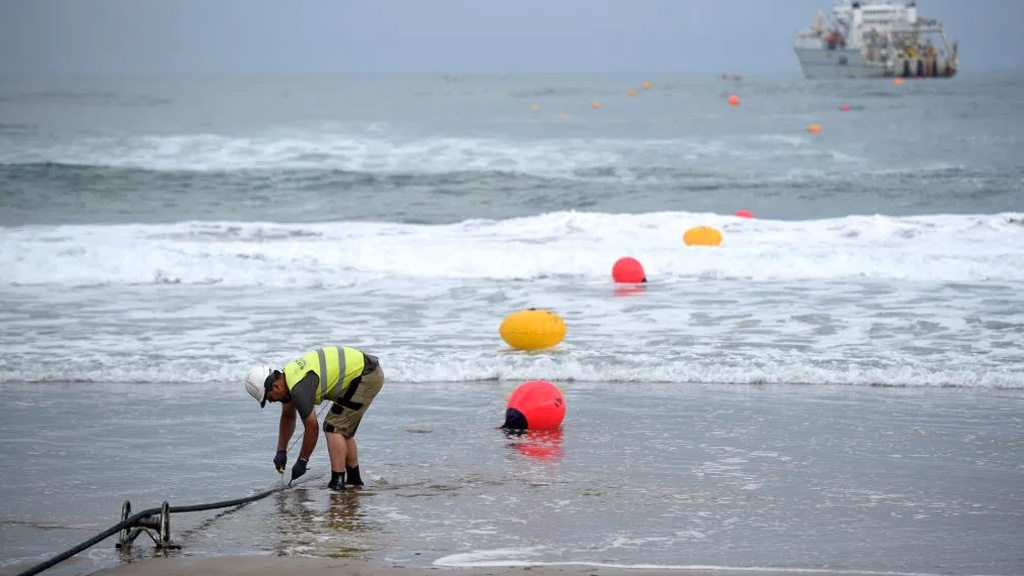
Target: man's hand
(299,468)
(280,459)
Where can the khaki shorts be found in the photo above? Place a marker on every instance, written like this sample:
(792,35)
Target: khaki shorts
(345,415)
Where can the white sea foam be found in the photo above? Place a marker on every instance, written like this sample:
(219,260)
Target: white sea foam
(375,153)
(581,246)
(511,557)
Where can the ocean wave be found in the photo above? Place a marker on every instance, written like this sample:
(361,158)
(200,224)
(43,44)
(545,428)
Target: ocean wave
(558,245)
(753,155)
(469,367)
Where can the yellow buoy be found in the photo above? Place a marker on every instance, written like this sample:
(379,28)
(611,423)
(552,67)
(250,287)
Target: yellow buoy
(535,106)
(814,128)
(532,329)
(631,92)
(646,84)
(702,236)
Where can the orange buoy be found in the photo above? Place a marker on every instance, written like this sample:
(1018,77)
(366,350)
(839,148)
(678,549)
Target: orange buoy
(532,329)
(628,270)
(631,92)
(845,107)
(734,100)
(646,84)
(702,236)
(744,214)
(595,105)
(814,128)
(897,81)
(535,405)
(535,106)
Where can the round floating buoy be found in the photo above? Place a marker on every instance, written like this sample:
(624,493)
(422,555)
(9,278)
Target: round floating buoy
(744,214)
(628,270)
(535,106)
(631,92)
(734,100)
(595,105)
(535,405)
(702,236)
(845,107)
(897,81)
(563,115)
(532,329)
(814,128)
(646,84)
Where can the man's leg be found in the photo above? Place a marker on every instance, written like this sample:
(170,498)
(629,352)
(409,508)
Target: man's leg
(352,457)
(337,449)
(352,464)
(343,420)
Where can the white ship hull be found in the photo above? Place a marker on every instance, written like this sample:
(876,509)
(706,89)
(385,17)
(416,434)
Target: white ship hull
(874,39)
(822,64)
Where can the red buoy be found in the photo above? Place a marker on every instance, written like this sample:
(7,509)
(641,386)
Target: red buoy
(628,270)
(744,214)
(535,405)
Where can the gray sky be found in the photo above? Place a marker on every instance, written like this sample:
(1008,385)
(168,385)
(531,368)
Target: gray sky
(84,37)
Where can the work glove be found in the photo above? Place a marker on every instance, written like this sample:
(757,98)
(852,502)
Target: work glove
(299,468)
(280,459)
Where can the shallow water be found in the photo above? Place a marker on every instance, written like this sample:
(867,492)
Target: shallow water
(766,476)
(157,236)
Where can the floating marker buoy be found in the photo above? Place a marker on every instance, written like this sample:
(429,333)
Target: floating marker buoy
(702,236)
(744,214)
(897,81)
(563,115)
(845,107)
(535,405)
(535,106)
(628,270)
(646,84)
(734,100)
(631,92)
(814,128)
(532,329)
(595,105)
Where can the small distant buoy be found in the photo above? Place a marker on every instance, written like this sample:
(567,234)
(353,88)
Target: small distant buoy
(744,214)
(535,106)
(897,81)
(814,128)
(734,100)
(532,329)
(595,105)
(845,107)
(631,92)
(702,236)
(535,405)
(563,115)
(628,270)
(646,84)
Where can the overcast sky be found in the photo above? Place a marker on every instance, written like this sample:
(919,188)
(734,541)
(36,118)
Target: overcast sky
(83,37)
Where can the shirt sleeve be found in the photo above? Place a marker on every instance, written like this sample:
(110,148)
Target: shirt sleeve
(304,393)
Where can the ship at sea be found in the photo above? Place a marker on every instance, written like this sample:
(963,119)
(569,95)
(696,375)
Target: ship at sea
(875,39)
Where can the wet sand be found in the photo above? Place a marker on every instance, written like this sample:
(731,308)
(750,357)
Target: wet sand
(276,565)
